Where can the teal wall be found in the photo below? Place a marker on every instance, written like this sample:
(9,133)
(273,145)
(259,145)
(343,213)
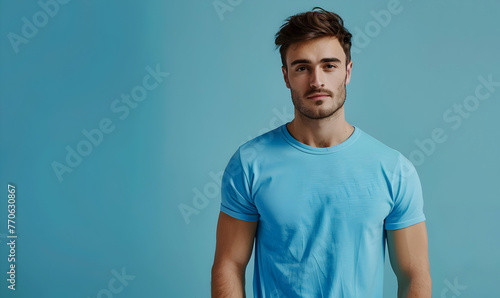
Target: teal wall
(117,115)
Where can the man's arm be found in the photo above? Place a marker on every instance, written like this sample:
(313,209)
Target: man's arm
(233,251)
(408,252)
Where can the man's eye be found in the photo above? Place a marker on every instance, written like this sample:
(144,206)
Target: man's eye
(302,68)
(330,66)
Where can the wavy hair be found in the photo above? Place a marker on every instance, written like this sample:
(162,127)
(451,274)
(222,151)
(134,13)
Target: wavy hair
(309,25)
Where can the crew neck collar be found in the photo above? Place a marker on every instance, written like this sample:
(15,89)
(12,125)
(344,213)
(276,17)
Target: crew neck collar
(315,150)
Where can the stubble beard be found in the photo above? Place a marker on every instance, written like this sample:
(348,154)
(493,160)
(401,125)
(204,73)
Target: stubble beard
(318,111)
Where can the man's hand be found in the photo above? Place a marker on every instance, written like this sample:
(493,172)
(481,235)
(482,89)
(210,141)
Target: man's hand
(235,240)
(408,252)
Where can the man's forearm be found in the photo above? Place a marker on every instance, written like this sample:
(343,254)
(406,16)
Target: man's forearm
(420,287)
(228,282)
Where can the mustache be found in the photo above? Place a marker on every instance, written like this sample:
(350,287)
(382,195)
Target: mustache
(321,90)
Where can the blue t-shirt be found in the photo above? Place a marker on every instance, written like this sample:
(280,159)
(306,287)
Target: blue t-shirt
(322,212)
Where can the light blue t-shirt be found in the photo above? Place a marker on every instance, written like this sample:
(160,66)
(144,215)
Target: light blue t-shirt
(322,212)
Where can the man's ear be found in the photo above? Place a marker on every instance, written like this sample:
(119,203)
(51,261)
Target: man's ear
(348,72)
(285,76)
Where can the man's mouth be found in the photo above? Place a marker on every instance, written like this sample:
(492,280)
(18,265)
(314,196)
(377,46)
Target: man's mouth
(318,96)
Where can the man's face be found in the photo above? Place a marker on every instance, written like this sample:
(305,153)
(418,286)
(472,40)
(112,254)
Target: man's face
(317,76)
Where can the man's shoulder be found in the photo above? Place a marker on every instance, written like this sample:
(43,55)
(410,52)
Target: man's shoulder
(374,146)
(390,159)
(261,143)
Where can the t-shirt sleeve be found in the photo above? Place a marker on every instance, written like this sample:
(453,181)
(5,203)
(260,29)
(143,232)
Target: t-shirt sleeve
(236,198)
(407,197)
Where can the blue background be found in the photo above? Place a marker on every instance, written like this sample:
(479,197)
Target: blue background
(120,207)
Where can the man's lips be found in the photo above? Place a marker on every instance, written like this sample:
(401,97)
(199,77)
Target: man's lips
(318,95)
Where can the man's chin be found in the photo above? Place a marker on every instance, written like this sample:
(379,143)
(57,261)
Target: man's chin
(321,113)
(318,115)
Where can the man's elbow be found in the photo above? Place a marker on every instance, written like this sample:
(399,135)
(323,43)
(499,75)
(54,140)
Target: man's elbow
(224,267)
(228,280)
(416,284)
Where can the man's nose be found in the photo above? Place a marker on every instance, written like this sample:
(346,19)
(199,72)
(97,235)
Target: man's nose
(317,80)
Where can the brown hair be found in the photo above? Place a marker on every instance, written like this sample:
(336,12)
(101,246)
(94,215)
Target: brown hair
(309,25)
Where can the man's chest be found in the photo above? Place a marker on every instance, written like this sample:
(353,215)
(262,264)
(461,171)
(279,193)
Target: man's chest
(287,195)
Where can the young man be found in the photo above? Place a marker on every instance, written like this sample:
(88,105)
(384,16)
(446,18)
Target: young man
(319,196)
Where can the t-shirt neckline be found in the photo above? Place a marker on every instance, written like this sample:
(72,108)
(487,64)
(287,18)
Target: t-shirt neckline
(315,150)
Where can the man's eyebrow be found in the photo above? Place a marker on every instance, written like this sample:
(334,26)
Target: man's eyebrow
(306,61)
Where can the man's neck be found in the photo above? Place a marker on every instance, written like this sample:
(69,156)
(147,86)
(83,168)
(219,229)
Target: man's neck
(321,133)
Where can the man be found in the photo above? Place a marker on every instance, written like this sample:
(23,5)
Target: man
(319,196)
